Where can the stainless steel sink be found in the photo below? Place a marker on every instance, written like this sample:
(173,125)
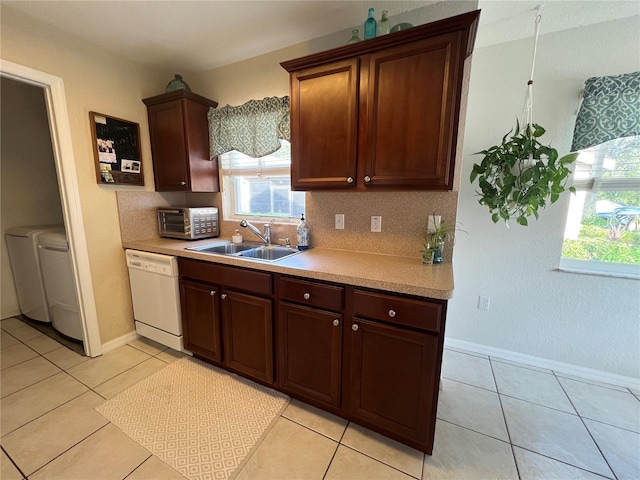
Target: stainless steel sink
(270,253)
(248,250)
(225,249)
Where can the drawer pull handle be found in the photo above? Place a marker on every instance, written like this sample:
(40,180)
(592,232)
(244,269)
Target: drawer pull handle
(392,313)
(336,322)
(306,296)
(183,183)
(212,293)
(367,179)
(354,327)
(223,296)
(349,179)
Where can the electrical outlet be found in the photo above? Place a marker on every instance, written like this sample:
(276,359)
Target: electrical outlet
(339,221)
(484,302)
(376,223)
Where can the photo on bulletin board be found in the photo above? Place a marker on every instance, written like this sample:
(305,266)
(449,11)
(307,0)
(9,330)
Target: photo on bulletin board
(116,145)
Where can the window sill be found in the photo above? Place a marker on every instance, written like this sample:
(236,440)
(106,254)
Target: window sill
(581,267)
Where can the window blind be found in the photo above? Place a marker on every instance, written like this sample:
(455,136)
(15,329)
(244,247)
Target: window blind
(613,165)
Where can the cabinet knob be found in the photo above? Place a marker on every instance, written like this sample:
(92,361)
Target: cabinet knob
(354,327)
(367,179)
(212,293)
(306,296)
(336,322)
(223,296)
(392,313)
(349,179)
(183,183)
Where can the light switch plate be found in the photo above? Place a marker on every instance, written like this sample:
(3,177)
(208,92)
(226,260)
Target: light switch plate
(376,223)
(339,221)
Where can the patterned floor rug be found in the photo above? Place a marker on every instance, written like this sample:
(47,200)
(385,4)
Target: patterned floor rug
(201,420)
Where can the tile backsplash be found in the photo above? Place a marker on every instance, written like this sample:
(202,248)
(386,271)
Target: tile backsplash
(404,218)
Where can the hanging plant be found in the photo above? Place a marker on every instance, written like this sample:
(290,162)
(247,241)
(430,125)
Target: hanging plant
(520,175)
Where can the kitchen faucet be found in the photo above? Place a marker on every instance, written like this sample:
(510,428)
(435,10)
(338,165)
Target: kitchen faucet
(266,238)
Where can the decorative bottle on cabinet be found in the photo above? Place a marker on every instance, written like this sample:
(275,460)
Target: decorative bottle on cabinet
(370,26)
(354,37)
(383,26)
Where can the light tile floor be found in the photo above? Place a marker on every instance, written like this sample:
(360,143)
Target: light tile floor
(496,419)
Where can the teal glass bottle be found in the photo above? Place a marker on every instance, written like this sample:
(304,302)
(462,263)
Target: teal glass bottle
(383,26)
(370,26)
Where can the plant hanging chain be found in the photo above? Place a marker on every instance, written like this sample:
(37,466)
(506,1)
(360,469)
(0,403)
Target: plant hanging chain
(527,110)
(518,176)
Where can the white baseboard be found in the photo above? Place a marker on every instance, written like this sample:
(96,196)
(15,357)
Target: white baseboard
(560,367)
(10,313)
(119,342)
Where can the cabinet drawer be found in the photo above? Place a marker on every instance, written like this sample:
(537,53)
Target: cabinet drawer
(239,278)
(328,297)
(422,314)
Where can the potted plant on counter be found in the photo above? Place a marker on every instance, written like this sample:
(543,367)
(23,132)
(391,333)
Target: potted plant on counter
(437,234)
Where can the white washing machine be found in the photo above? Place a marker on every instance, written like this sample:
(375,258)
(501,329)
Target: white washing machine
(59,283)
(22,244)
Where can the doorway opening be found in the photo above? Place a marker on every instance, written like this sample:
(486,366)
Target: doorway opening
(60,136)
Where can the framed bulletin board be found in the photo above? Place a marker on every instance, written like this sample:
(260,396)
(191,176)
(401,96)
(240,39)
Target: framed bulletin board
(116,147)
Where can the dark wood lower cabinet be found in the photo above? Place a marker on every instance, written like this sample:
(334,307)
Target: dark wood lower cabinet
(247,326)
(200,319)
(379,368)
(310,353)
(393,379)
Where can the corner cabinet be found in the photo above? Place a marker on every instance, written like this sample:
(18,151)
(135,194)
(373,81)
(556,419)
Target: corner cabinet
(179,131)
(382,113)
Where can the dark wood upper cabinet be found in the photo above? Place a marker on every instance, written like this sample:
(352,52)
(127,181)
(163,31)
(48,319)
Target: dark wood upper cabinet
(382,113)
(179,131)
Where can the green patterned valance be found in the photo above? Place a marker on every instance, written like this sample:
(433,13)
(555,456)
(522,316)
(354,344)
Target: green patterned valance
(253,128)
(610,109)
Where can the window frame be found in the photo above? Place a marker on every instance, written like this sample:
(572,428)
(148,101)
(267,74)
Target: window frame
(592,185)
(229,194)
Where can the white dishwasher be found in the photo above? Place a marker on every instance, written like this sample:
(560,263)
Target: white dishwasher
(155,293)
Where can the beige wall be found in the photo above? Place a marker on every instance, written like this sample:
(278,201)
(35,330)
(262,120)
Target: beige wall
(94,80)
(29,188)
(404,214)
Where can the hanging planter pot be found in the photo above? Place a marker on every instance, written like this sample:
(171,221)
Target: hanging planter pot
(518,176)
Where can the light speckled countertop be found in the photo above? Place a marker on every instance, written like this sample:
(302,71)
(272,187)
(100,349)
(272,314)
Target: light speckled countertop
(371,270)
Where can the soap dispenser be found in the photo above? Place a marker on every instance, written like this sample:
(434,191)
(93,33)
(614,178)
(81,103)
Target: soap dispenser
(303,234)
(236,237)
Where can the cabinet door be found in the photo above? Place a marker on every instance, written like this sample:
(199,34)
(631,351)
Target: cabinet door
(310,346)
(248,334)
(324,126)
(412,111)
(392,379)
(203,171)
(200,319)
(168,145)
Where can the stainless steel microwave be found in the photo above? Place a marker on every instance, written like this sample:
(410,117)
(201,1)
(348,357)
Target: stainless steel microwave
(189,223)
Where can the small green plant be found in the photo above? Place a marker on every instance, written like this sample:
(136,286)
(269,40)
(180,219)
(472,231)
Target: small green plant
(517,177)
(437,233)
